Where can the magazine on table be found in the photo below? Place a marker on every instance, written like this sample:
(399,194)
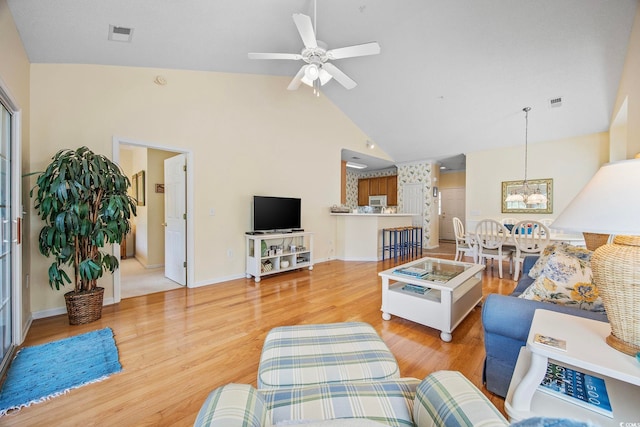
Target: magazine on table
(411,271)
(578,388)
(550,342)
(440,276)
(424,274)
(416,289)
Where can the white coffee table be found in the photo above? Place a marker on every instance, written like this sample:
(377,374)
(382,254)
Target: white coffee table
(446,304)
(587,352)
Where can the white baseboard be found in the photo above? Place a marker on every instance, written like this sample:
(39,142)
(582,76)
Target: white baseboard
(25,329)
(234,277)
(154,266)
(217,280)
(50,312)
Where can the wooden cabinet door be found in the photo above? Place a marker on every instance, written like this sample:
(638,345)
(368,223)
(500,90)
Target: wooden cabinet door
(382,187)
(363,192)
(392,190)
(374,186)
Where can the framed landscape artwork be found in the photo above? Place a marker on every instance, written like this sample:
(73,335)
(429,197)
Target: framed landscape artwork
(137,185)
(539,198)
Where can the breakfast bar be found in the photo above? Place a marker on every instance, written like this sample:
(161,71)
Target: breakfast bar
(359,235)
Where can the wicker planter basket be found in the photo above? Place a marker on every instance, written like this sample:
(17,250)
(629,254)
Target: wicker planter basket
(84,307)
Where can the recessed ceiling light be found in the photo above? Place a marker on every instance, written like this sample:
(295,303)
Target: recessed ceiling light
(442,167)
(120,34)
(356,165)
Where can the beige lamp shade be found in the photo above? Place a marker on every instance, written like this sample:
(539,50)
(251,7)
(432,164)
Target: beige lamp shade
(610,204)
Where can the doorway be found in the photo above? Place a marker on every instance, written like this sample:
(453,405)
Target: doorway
(452,205)
(143,263)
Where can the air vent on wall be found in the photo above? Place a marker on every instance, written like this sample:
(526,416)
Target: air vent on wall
(555,102)
(120,34)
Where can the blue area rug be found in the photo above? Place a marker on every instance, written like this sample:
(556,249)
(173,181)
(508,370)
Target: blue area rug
(44,371)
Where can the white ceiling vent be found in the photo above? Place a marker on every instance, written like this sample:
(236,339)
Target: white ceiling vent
(555,102)
(120,34)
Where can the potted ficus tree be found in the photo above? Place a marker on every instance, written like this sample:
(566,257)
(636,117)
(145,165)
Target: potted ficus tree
(82,199)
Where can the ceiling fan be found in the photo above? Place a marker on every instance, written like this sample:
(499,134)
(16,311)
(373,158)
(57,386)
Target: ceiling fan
(317,71)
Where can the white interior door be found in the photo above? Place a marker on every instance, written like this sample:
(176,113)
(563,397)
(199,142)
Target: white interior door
(175,219)
(413,202)
(453,205)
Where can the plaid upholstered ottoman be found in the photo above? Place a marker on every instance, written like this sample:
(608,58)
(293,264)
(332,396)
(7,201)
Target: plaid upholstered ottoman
(303,355)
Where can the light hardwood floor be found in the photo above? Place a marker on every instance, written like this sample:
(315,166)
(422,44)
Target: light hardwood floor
(177,346)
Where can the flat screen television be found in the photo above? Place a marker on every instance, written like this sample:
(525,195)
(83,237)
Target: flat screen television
(276,213)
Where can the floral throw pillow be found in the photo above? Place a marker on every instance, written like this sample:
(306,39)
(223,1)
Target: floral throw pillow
(580,253)
(566,279)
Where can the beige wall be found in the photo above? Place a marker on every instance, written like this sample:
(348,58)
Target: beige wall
(14,75)
(126,162)
(453,180)
(627,104)
(247,133)
(569,162)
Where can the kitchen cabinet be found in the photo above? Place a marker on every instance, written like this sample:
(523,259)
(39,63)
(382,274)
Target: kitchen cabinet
(378,186)
(392,190)
(382,187)
(374,186)
(363,192)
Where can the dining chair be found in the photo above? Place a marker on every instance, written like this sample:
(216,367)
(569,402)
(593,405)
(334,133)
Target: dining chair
(465,245)
(490,237)
(530,238)
(508,221)
(548,222)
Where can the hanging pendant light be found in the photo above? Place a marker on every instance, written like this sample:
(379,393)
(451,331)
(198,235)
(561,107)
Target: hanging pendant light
(527,195)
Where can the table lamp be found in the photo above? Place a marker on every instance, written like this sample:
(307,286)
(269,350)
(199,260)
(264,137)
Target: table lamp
(610,204)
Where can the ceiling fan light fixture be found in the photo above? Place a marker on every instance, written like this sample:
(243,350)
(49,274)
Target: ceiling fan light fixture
(312,72)
(324,77)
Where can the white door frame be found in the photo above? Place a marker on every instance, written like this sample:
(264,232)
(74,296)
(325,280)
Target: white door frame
(117,141)
(18,330)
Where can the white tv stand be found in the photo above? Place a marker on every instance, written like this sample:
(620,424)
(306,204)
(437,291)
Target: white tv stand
(262,262)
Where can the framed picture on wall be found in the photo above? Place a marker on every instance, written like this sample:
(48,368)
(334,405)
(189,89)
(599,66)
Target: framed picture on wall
(534,196)
(137,183)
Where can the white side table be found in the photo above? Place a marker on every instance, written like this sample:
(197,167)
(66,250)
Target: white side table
(587,352)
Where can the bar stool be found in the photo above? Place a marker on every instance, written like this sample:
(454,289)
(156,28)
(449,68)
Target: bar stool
(391,236)
(405,241)
(396,238)
(416,239)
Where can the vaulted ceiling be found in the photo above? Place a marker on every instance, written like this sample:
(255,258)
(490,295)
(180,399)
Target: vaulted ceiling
(452,76)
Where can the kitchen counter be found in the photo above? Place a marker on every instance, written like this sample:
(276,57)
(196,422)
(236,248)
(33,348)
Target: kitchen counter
(359,235)
(371,214)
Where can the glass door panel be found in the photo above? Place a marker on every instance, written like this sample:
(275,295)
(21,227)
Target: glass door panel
(6,237)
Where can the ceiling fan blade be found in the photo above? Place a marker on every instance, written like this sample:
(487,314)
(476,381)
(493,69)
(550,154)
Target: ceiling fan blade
(305,28)
(295,83)
(294,56)
(340,77)
(372,48)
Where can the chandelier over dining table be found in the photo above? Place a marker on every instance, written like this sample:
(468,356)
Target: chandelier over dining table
(526,194)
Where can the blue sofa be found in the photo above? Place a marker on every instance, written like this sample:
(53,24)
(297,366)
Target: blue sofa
(506,321)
